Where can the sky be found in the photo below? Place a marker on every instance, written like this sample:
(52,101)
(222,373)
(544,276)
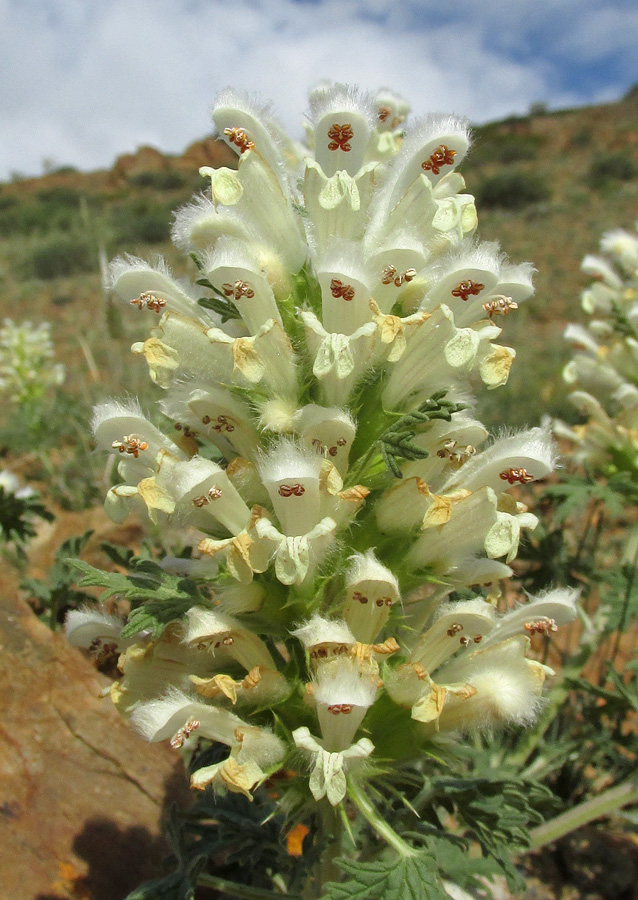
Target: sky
(83,81)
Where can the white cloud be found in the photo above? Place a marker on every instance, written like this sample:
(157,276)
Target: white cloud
(86,80)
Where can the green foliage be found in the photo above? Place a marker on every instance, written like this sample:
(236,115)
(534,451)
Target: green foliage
(53,598)
(396,443)
(157,598)
(511,190)
(141,220)
(607,168)
(412,878)
(621,323)
(504,148)
(51,210)
(59,256)
(243,838)
(219,303)
(165,180)
(16,518)
(574,492)
(497,811)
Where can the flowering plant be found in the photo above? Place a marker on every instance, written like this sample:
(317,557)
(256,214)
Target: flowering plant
(27,369)
(349,518)
(605,363)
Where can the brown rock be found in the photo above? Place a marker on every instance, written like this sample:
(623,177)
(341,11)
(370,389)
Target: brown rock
(145,159)
(208,152)
(81,795)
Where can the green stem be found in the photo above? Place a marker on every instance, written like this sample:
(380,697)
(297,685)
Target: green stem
(372,817)
(625,608)
(606,803)
(241,891)
(330,832)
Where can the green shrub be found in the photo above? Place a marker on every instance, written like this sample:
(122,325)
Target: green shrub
(53,209)
(168,180)
(60,255)
(605,169)
(141,221)
(60,196)
(511,190)
(8,201)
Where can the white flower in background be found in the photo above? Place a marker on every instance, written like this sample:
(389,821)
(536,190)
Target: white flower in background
(27,367)
(325,456)
(11,484)
(604,369)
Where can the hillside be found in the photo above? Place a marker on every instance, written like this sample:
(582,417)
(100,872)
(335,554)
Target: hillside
(547,186)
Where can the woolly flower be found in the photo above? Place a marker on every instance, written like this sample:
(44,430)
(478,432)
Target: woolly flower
(27,367)
(343,500)
(604,369)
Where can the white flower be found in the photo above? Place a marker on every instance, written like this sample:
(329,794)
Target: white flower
(328,777)
(324,457)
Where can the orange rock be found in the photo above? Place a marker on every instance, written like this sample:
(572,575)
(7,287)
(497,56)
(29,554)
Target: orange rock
(81,795)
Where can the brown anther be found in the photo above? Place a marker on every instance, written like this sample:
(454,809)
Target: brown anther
(313,654)
(442,156)
(464,641)
(332,451)
(454,629)
(155,304)
(387,276)
(499,306)
(224,424)
(217,645)
(478,638)
(288,490)
(322,652)
(341,442)
(390,276)
(239,137)
(513,476)
(339,289)
(206,420)
(456,455)
(338,708)
(379,602)
(357,595)
(180,736)
(467,289)
(228,641)
(387,601)
(213,494)
(542,626)
(130,444)
(238,290)
(177,426)
(339,136)
(383,113)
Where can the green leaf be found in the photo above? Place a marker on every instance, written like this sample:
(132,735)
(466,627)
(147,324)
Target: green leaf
(16,514)
(414,878)
(156,596)
(221,306)
(397,441)
(173,887)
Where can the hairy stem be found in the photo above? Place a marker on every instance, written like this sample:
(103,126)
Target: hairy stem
(372,817)
(606,803)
